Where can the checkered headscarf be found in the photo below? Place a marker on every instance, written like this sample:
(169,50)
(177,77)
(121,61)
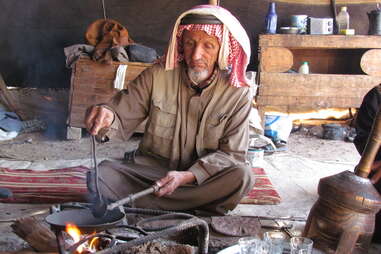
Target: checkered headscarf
(234,52)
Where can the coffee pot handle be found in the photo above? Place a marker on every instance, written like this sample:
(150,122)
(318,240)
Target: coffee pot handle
(371,148)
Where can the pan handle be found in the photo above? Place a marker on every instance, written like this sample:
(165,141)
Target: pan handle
(133,197)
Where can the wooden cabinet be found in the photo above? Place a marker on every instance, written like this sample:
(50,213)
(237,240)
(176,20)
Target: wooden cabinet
(342,70)
(93,83)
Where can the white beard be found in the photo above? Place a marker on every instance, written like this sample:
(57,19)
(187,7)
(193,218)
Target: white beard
(197,76)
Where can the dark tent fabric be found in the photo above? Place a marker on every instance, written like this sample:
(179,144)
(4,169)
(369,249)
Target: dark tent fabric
(34,32)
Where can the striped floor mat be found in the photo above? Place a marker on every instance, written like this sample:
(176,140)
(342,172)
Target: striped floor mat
(263,192)
(52,186)
(69,184)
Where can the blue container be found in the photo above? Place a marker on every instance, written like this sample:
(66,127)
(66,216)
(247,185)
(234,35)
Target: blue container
(271,20)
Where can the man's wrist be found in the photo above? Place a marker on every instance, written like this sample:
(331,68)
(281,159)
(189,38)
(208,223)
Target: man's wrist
(189,177)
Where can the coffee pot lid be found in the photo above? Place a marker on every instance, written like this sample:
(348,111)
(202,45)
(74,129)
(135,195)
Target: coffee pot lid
(378,10)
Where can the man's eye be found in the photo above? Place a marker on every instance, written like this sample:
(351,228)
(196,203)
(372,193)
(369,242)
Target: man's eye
(209,46)
(189,43)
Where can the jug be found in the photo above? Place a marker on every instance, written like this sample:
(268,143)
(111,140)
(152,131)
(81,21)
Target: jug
(374,22)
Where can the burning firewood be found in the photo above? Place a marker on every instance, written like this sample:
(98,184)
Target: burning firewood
(36,234)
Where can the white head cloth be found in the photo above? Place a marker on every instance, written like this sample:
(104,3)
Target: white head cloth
(230,24)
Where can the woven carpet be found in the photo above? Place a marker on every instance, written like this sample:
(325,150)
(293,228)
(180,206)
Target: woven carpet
(69,184)
(50,186)
(263,192)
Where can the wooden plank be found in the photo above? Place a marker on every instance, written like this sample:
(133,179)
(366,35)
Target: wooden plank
(107,71)
(297,110)
(319,41)
(327,2)
(306,102)
(276,59)
(88,62)
(26,252)
(316,85)
(371,62)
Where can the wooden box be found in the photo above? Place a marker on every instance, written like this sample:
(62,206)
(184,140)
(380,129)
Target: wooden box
(93,83)
(343,69)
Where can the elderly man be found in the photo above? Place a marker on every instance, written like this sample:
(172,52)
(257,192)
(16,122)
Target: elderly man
(197,103)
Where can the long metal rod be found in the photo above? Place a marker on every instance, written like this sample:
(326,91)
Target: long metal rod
(94,155)
(371,149)
(133,197)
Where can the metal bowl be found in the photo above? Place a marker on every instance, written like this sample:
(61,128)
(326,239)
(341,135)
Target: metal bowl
(289,30)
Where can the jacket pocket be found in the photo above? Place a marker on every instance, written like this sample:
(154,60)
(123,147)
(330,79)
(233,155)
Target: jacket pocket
(162,122)
(214,130)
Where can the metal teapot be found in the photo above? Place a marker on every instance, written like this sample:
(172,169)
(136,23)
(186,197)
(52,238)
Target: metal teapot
(375,21)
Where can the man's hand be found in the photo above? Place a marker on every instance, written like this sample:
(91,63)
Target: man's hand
(376,167)
(98,118)
(172,180)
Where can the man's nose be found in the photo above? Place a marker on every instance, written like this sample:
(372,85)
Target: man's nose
(197,53)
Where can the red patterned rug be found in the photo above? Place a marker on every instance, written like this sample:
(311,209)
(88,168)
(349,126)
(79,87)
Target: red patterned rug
(51,186)
(69,184)
(263,192)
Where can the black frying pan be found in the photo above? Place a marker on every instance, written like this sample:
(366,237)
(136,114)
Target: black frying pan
(84,220)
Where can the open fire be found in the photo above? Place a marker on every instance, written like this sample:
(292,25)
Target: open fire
(86,234)
(89,246)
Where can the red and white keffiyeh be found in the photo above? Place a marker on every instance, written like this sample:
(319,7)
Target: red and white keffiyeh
(234,52)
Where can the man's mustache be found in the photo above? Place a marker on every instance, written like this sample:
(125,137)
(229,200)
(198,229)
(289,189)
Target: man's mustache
(198,62)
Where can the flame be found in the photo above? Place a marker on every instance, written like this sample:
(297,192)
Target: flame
(75,234)
(93,244)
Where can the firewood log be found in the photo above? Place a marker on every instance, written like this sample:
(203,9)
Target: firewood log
(36,234)
(26,252)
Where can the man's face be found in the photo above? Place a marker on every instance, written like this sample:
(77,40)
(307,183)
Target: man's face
(200,53)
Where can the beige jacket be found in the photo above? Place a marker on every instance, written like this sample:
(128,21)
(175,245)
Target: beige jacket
(203,133)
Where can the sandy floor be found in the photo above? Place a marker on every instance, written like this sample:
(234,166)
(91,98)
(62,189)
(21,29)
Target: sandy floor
(311,153)
(36,147)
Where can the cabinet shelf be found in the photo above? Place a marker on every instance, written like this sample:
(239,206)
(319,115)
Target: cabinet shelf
(320,41)
(344,69)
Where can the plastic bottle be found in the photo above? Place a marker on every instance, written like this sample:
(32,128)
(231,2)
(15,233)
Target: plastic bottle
(304,68)
(271,20)
(342,19)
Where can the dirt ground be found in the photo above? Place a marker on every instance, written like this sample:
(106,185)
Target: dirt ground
(305,142)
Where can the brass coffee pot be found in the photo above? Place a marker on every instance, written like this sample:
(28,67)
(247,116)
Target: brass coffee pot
(342,219)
